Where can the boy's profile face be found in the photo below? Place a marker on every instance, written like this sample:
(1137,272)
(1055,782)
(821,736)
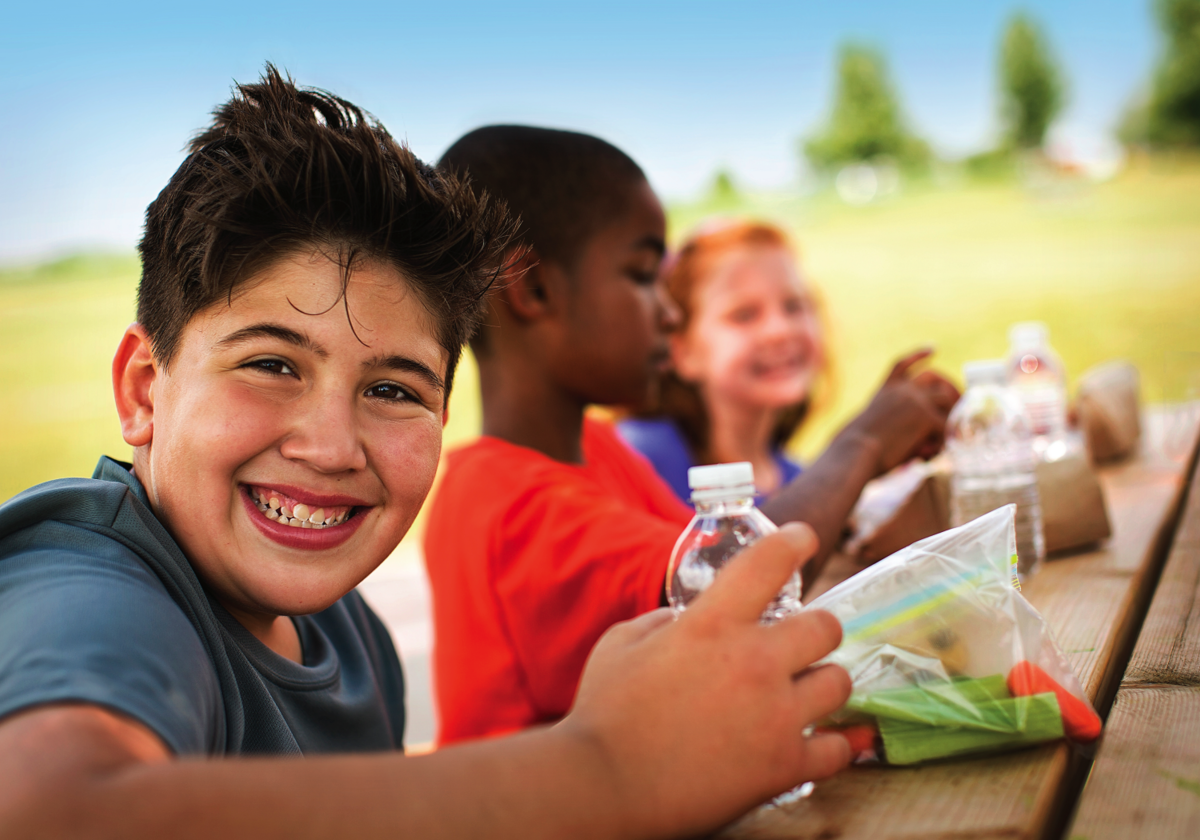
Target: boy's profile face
(274,412)
(618,313)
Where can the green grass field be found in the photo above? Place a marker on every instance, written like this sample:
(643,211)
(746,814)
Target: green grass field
(1113,268)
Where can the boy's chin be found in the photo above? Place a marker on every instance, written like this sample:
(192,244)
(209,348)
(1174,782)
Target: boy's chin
(295,601)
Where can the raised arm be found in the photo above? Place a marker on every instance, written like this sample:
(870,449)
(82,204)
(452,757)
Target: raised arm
(678,727)
(905,419)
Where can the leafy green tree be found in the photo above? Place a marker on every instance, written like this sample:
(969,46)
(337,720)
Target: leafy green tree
(1171,114)
(724,188)
(1030,83)
(866,124)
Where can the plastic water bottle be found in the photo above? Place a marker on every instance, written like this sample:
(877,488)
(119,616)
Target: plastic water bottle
(726,521)
(990,440)
(1036,374)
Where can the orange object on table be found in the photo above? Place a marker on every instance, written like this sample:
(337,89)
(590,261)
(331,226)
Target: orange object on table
(1080,722)
(862,736)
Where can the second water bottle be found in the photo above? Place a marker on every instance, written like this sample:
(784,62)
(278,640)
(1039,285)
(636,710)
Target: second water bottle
(990,440)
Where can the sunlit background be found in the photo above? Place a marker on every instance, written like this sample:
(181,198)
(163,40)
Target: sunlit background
(943,237)
(945,167)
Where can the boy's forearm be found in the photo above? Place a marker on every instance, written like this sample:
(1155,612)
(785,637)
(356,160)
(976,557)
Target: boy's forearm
(825,493)
(538,784)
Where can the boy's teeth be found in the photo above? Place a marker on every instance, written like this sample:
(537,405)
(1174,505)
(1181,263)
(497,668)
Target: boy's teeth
(299,516)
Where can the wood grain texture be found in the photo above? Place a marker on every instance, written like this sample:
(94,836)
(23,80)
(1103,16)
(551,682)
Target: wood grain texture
(1094,602)
(1146,780)
(1168,649)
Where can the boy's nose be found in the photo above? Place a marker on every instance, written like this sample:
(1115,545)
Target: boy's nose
(325,436)
(670,316)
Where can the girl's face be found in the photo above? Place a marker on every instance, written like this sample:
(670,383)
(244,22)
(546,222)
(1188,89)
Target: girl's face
(754,338)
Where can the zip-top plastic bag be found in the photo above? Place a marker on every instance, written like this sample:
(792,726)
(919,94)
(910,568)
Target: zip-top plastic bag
(947,657)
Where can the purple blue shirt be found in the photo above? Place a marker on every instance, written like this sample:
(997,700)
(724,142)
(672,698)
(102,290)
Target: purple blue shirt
(663,444)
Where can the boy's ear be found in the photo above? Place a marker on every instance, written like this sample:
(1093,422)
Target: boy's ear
(532,287)
(134,370)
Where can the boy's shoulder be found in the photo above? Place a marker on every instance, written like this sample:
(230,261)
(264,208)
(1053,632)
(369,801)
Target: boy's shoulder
(91,611)
(89,501)
(107,515)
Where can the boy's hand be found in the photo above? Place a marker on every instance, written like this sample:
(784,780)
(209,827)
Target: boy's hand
(907,416)
(698,720)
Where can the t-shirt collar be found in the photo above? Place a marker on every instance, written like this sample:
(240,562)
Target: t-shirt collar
(110,469)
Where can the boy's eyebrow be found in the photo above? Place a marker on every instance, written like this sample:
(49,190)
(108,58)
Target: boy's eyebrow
(273,331)
(404,363)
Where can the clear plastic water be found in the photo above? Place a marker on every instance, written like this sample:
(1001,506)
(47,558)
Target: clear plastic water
(1036,374)
(719,530)
(973,496)
(991,443)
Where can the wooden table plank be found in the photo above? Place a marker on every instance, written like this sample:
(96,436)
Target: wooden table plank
(1094,602)
(1146,780)
(1168,649)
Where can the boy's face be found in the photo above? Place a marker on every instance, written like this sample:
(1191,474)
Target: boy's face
(273,411)
(618,312)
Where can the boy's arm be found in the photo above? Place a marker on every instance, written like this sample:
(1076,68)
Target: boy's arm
(678,728)
(906,418)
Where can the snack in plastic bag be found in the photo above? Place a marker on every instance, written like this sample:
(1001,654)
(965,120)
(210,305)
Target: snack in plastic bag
(947,657)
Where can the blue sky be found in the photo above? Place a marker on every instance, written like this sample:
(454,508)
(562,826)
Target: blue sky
(98,99)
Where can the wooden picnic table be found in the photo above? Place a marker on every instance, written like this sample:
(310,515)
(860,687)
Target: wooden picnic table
(1095,602)
(1146,779)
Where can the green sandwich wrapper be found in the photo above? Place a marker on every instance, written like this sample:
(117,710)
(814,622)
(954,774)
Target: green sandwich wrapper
(947,657)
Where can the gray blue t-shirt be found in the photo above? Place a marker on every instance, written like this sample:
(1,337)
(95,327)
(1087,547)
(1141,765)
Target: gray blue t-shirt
(99,605)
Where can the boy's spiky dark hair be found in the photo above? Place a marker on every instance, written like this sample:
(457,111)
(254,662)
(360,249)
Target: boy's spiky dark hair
(283,169)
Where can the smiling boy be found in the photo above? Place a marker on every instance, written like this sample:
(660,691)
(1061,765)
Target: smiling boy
(307,288)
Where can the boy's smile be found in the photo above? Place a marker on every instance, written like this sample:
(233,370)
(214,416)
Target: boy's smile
(293,437)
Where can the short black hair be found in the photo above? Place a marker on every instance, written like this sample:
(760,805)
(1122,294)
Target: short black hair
(282,169)
(563,185)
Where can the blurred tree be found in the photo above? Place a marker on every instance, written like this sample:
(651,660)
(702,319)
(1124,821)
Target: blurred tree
(1170,115)
(866,123)
(724,188)
(1030,84)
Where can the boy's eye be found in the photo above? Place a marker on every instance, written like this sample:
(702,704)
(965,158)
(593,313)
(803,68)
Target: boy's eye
(388,391)
(276,366)
(643,277)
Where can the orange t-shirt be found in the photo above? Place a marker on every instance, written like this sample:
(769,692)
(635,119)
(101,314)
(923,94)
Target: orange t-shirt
(530,561)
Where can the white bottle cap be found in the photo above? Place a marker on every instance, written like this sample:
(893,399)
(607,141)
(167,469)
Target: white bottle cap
(986,372)
(721,481)
(1028,334)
